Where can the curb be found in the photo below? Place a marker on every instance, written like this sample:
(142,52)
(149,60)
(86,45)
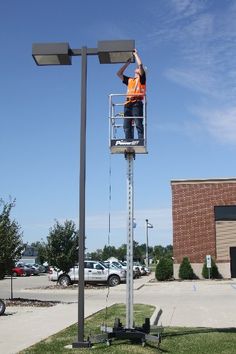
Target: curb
(155,316)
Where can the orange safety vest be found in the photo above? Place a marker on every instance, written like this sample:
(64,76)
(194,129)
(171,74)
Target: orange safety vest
(136,90)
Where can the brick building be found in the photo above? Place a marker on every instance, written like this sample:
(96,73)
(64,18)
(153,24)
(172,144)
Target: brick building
(204,223)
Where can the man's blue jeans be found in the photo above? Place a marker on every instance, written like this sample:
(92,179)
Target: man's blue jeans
(134,109)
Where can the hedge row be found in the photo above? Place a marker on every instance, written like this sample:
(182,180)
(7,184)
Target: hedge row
(164,270)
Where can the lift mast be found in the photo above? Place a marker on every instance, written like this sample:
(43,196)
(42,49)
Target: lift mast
(130,218)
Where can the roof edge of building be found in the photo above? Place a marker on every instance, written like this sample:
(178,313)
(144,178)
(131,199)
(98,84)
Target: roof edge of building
(203,180)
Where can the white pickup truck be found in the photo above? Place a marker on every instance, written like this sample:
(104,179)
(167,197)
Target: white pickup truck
(94,272)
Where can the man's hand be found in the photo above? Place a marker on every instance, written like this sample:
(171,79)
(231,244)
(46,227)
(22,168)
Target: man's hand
(137,58)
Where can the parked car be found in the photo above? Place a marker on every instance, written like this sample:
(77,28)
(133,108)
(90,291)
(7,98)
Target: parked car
(33,269)
(18,272)
(40,267)
(26,269)
(147,270)
(94,272)
(136,270)
(141,268)
(117,264)
(123,265)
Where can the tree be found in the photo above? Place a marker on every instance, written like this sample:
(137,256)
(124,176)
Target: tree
(62,251)
(108,251)
(121,252)
(137,251)
(41,248)
(161,251)
(164,269)
(185,269)
(96,255)
(169,251)
(10,240)
(158,252)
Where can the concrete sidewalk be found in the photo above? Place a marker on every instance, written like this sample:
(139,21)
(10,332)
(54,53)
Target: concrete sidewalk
(22,327)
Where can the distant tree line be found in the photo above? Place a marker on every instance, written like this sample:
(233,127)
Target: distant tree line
(61,249)
(139,252)
(61,246)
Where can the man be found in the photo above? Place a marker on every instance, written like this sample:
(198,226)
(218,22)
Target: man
(136,90)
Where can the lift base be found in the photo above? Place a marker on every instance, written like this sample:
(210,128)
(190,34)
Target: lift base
(136,335)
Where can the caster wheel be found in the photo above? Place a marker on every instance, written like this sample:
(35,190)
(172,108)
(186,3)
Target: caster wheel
(108,342)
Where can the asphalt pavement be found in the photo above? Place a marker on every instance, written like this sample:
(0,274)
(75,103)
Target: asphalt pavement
(189,303)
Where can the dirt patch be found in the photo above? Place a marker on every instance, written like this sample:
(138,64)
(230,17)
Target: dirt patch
(71,287)
(29,302)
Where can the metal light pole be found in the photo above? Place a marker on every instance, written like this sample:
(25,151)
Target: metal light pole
(81,342)
(109,52)
(148,226)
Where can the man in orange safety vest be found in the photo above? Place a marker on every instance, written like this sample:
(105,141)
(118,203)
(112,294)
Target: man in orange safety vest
(136,89)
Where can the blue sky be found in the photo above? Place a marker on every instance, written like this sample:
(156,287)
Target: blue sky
(189,50)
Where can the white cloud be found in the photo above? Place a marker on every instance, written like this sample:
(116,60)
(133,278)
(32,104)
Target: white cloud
(201,34)
(220,123)
(204,35)
(187,7)
(194,79)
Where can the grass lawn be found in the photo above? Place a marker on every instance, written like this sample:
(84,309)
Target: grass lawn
(174,340)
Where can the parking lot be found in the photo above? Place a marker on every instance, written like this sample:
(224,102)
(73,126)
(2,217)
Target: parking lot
(191,303)
(39,287)
(202,303)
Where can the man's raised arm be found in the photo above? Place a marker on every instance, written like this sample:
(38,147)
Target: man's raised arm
(122,69)
(138,61)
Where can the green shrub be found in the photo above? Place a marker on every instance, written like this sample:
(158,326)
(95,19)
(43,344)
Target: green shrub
(164,269)
(186,270)
(214,272)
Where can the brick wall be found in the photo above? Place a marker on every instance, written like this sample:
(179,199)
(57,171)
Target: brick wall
(193,216)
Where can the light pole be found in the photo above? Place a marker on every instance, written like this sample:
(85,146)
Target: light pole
(109,52)
(148,226)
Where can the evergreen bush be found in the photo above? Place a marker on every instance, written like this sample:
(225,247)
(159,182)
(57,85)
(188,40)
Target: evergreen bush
(186,270)
(164,269)
(214,272)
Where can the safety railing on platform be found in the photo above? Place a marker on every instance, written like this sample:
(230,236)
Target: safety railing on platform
(117,141)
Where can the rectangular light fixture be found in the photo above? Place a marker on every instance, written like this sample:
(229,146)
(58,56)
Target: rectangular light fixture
(51,53)
(117,51)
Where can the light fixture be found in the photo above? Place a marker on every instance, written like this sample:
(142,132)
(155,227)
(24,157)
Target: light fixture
(114,52)
(51,53)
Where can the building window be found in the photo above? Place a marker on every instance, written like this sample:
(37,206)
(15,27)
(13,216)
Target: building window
(225,212)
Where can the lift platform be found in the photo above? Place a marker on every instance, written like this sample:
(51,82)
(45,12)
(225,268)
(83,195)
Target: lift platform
(118,144)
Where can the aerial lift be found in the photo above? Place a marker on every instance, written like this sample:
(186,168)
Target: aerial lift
(128,147)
